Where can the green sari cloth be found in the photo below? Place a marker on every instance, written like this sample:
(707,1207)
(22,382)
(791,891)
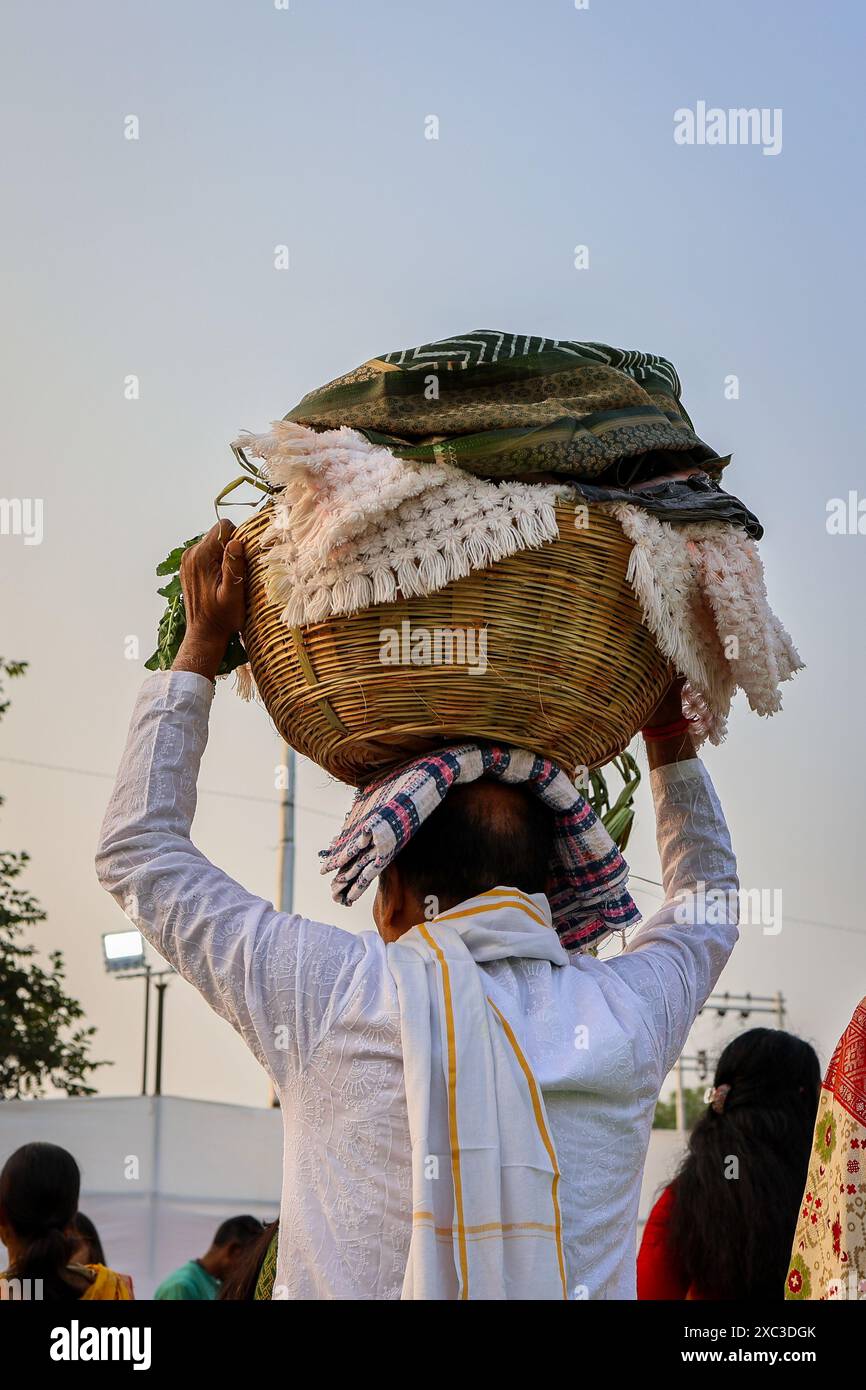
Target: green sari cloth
(503,404)
(268,1272)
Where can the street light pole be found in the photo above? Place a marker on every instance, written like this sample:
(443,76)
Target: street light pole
(285,891)
(161,986)
(680,1099)
(286,838)
(126,959)
(146,1028)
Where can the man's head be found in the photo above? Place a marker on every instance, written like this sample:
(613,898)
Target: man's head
(484,834)
(230,1242)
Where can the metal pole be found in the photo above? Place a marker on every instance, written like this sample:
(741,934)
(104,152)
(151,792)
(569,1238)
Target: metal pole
(680,1098)
(285,892)
(146,1028)
(286,839)
(780,1009)
(161,986)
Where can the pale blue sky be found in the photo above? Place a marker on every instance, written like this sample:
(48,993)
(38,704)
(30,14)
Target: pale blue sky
(260,127)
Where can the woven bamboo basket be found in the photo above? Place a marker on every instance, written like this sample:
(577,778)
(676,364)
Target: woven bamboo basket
(572,672)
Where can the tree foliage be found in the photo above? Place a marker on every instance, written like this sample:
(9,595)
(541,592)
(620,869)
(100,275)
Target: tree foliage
(695,1105)
(42,1041)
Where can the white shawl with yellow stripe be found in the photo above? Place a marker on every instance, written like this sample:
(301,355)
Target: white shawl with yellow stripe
(485,1178)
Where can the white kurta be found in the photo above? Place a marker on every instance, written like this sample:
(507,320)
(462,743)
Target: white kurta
(318,1007)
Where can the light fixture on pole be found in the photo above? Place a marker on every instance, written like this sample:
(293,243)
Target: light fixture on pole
(124,956)
(123,950)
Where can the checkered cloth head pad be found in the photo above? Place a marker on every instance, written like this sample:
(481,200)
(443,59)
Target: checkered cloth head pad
(587,893)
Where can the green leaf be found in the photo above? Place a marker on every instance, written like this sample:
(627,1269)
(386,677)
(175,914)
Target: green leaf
(172,624)
(41,1046)
(619,817)
(171,563)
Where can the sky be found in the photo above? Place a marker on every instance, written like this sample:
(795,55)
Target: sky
(307,127)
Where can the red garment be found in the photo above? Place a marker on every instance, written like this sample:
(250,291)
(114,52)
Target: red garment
(659,1275)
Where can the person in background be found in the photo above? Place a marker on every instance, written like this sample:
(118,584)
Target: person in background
(39,1189)
(202,1279)
(89,1248)
(252,1276)
(828,1260)
(723,1228)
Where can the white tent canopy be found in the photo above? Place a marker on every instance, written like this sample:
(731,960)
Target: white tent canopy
(158,1174)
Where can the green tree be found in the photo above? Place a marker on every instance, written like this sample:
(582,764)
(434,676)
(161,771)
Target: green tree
(695,1105)
(42,1044)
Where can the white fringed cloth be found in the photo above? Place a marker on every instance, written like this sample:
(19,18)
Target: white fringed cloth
(355,526)
(701,589)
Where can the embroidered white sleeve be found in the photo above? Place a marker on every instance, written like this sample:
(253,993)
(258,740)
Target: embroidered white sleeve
(672,963)
(280,981)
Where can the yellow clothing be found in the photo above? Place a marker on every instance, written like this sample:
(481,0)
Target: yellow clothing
(107,1285)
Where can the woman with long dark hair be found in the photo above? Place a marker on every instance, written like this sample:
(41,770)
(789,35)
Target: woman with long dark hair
(39,1188)
(723,1228)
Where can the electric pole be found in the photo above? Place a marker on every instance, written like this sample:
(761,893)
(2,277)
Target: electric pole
(286,839)
(285,894)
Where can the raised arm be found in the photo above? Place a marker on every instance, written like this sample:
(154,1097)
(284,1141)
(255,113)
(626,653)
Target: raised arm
(255,966)
(674,960)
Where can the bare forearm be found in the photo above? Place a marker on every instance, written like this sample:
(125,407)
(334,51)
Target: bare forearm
(201,654)
(662,751)
(668,739)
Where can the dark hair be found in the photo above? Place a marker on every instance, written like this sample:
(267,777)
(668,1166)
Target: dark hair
(484,834)
(238,1230)
(732,1235)
(89,1237)
(240,1284)
(39,1189)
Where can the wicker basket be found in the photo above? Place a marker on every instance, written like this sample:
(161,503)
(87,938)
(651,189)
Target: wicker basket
(572,673)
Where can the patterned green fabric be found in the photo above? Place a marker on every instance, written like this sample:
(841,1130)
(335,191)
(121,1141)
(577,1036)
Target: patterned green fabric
(268,1272)
(502,404)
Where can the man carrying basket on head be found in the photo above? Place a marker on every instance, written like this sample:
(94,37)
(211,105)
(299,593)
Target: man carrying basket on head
(467,1101)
